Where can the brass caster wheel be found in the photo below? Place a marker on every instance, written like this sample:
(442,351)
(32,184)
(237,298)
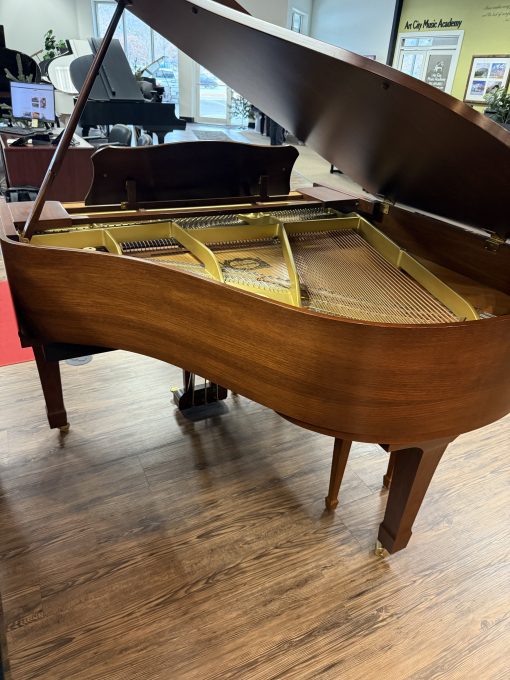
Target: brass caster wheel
(64,429)
(380,550)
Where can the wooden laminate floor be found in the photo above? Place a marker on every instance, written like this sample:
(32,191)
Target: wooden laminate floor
(142,545)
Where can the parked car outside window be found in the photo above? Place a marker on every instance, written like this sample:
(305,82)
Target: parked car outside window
(164,69)
(208,81)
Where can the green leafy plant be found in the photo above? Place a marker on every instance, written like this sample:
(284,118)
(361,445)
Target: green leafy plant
(52,46)
(21,77)
(5,111)
(498,105)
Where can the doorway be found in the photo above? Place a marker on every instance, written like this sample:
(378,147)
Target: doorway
(213,98)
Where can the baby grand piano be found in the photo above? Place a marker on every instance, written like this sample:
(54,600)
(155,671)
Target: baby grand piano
(384,321)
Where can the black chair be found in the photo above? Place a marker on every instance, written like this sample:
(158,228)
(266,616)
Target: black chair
(144,140)
(15,194)
(120,135)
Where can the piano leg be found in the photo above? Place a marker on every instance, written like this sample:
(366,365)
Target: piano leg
(51,383)
(340,456)
(411,475)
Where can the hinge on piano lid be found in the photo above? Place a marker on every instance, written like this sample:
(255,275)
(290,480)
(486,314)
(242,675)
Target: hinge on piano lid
(494,242)
(130,202)
(385,206)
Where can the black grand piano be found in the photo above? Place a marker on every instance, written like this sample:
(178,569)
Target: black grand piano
(117,98)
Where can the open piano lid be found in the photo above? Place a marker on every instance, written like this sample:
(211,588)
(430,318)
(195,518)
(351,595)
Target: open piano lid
(391,133)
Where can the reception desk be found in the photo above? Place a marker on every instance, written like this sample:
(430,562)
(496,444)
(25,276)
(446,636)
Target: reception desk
(27,165)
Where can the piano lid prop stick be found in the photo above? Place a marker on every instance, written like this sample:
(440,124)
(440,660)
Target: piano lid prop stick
(63,145)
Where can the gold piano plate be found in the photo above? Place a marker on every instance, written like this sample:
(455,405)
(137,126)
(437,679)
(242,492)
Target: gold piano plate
(316,259)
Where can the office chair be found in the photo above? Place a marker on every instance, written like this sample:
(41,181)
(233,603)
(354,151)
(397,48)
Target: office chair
(144,140)
(120,135)
(15,194)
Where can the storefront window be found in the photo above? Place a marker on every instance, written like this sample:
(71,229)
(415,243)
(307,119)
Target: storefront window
(103,15)
(138,43)
(166,70)
(143,47)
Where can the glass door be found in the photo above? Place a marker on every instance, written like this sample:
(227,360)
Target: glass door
(213,98)
(166,69)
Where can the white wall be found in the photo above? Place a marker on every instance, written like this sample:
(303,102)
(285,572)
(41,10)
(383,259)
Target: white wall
(274,11)
(362,26)
(278,11)
(84,19)
(26,21)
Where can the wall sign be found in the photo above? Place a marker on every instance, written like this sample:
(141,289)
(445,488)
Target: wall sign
(498,11)
(428,24)
(486,74)
(438,69)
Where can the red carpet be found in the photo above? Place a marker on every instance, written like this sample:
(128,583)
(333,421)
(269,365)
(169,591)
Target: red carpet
(10,349)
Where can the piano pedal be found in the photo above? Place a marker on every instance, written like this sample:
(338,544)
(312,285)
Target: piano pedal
(194,407)
(195,397)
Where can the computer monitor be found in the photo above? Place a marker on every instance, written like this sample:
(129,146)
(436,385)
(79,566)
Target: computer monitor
(33,101)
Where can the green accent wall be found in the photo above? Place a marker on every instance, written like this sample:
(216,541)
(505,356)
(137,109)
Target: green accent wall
(486,26)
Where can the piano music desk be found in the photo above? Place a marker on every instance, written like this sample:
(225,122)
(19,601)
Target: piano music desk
(27,165)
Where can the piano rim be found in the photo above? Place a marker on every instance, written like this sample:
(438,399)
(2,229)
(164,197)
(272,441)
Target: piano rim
(359,358)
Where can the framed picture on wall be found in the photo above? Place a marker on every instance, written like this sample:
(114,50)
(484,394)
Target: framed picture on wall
(486,74)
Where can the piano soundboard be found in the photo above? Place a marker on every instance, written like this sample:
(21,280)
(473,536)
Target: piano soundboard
(315,258)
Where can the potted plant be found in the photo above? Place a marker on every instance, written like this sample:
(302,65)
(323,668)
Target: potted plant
(6,113)
(52,46)
(21,77)
(498,106)
(240,108)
